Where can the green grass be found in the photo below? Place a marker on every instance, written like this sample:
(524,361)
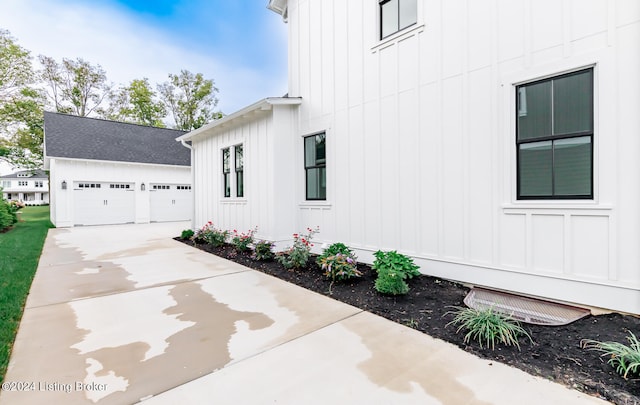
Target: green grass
(20,250)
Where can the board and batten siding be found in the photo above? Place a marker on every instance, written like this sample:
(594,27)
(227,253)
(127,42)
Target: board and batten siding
(421,140)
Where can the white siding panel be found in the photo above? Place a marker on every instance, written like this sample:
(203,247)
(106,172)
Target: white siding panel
(513,241)
(550,33)
(548,242)
(452,169)
(628,11)
(589,17)
(389,176)
(358,197)
(479,37)
(429,57)
(373,183)
(407,161)
(590,246)
(388,71)
(328,60)
(356,48)
(453,36)
(408,63)
(429,146)
(510,29)
(341,55)
(341,176)
(480,152)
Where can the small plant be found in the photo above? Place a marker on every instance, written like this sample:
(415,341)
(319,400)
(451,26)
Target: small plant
(625,359)
(411,323)
(187,234)
(297,256)
(333,250)
(393,268)
(241,241)
(488,326)
(340,267)
(263,250)
(211,235)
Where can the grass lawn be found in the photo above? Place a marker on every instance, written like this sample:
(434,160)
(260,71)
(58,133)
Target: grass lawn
(20,250)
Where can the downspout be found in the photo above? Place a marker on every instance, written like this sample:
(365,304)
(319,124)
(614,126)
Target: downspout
(193,188)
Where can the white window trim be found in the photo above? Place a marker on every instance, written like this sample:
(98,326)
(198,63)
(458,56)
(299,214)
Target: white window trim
(232,172)
(509,83)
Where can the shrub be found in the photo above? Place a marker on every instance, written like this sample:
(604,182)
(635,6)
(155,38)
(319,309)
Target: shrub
(187,234)
(488,326)
(333,250)
(263,250)
(393,268)
(297,256)
(241,241)
(340,267)
(625,359)
(391,283)
(209,234)
(7,216)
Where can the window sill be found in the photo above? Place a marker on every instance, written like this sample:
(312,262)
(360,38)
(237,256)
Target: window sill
(556,205)
(315,204)
(397,37)
(233,201)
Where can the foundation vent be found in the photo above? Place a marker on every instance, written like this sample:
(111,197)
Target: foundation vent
(524,309)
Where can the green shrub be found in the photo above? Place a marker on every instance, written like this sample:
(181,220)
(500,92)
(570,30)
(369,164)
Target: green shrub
(488,326)
(241,241)
(211,235)
(297,256)
(393,268)
(625,359)
(391,283)
(340,267)
(333,250)
(187,234)
(7,216)
(263,250)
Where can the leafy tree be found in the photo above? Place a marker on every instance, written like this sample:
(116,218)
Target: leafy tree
(190,99)
(74,86)
(137,104)
(15,66)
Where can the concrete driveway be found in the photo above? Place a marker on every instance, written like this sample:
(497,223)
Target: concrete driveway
(121,314)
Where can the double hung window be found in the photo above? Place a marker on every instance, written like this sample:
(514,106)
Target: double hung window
(554,137)
(315,167)
(396,15)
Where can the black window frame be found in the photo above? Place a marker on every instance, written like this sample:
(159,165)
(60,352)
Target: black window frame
(381,4)
(556,137)
(226,172)
(316,165)
(239,169)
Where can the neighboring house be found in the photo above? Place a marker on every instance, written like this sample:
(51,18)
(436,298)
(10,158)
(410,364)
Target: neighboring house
(495,142)
(106,172)
(28,186)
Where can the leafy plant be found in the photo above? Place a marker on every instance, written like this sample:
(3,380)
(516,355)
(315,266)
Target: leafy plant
(263,250)
(211,235)
(625,359)
(333,250)
(241,241)
(297,256)
(393,268)
(488,326)
(340,267)
(187,234)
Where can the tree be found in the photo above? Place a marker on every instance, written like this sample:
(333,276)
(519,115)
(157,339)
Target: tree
(74,86)
(137,104)
(15,66)
(190,99)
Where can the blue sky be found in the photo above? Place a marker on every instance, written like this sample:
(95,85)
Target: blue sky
(239,44)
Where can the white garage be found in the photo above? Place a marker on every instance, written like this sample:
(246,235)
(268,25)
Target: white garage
(103,203)
(170,202)
(106,172)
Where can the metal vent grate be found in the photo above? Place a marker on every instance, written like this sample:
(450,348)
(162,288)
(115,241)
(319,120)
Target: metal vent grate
(524,309)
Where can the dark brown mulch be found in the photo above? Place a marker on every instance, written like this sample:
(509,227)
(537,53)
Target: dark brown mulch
(556,353)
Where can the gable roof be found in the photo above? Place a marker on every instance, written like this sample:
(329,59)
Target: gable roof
(73,137)
(30,174)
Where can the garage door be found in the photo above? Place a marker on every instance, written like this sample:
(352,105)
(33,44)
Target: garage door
(170,202)
(103,203)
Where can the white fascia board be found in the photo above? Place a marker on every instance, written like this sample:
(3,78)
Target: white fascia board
(265,104)
(118,162)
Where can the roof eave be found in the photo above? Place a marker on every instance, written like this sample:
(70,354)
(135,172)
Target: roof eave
(280,7)
(265,104)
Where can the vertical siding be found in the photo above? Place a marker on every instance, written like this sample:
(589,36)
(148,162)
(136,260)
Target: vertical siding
(421,154)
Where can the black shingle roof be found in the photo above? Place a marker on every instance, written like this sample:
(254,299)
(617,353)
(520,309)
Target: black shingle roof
(32,174)
(70,136)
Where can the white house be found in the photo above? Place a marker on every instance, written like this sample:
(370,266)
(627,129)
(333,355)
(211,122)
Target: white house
(106,172)
(496,142)
(28,186)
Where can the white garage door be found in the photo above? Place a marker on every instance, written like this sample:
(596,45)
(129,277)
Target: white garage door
(103,203)
(170,202)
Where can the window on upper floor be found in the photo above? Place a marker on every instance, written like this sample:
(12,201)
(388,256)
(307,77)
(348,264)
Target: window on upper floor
(39,183)
(22,183)
(396,15)
(315,165)
(239,166)
(554,137)
(6,183)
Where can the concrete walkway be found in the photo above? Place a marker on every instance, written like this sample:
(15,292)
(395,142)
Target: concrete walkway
(120,314)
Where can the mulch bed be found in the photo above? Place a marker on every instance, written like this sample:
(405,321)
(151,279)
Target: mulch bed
(556,353)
